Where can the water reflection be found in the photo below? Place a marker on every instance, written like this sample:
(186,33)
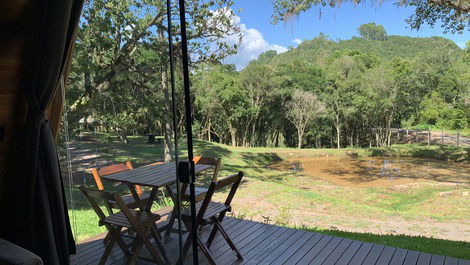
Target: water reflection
(377,171)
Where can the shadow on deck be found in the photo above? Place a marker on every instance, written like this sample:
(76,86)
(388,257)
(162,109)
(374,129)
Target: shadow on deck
(267,244)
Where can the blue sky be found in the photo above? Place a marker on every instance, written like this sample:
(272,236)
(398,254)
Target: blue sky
(337,23)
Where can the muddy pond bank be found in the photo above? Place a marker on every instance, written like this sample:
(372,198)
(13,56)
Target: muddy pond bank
(377,171)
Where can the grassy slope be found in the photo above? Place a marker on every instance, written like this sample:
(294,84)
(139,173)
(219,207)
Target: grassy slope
(283,191)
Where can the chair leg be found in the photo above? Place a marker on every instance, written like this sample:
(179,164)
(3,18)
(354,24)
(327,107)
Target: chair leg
(214,229)
(187,243)
(116,231)
(138,244)
(149,246)
(227,238)
(158,240)
(108,249)
(206,252)
(170,225)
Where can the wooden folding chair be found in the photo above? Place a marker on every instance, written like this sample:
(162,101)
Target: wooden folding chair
(136,190)
(142,222)
(200,192)
(210,212)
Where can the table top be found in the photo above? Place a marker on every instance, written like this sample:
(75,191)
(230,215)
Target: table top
(159,175)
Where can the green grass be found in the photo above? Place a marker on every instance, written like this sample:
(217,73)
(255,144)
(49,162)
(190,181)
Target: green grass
(457,249)
(464,132)
(438,152)
(291,199)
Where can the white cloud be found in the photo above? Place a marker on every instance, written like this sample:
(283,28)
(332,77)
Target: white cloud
(252,45)
(297,41)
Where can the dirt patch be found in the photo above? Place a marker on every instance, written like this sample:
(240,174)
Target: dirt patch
(376,171)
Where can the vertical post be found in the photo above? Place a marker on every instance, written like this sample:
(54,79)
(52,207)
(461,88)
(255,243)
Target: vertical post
(189,134)
(458,138)
(175,129)
(442,136)
(429,136)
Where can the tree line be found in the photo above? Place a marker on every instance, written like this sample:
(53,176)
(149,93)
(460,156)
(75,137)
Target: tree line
(342,98)
(322,94)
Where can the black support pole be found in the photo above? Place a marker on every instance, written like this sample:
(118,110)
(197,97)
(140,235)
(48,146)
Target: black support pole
(189,134)
(175,129)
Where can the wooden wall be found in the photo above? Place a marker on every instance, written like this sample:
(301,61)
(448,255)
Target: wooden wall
(14,17)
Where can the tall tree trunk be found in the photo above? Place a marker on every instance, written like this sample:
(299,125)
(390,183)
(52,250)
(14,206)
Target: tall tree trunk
(338,132)
(167,145)
(209,130)
(300,135)
(233,134)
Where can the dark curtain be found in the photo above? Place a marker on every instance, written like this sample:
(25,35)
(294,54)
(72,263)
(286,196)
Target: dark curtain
(36,217)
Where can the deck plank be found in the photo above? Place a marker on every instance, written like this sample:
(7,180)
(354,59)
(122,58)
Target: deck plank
(323,255)
(349,253)
(268,259)
(267,244)
(399,257)
(248,243)
(287,253)
(253,252)
(313,252)
(437,260)
(411,258)
(293,259)
(338,252)
(464,262)
(289,235)
(424,259)
(386,256)
(362,253)
(373,255)
(451,261)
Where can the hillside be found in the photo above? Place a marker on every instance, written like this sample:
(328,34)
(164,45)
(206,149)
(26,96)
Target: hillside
(320,47)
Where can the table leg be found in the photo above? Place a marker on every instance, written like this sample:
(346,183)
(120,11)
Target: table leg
(173,214)
(152,196)
(135,195)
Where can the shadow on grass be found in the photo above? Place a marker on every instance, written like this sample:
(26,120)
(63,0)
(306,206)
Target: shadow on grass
(456,249)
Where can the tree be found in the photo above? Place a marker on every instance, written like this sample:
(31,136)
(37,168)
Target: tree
(454,15)
(116,36)
(371,31)
(301,110)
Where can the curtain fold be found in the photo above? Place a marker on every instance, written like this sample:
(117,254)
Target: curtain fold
(37,216)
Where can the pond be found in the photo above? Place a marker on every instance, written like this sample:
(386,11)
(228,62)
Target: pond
(377,171)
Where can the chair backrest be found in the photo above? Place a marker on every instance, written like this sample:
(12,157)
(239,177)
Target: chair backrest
(108,170)
(216,162)
(97,197)
(233,180)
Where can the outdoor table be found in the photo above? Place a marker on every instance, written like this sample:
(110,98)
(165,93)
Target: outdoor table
(151,138)
(155,176)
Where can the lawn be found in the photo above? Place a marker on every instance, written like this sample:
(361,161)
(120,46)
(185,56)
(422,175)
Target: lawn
(426,216)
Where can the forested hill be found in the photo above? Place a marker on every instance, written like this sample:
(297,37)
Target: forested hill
(393,46)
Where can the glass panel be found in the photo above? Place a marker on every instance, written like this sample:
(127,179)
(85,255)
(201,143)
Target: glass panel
(118,118)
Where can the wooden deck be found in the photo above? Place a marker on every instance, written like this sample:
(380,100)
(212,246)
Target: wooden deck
(267,244)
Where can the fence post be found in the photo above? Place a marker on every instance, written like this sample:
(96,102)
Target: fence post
(442,136)
(417,136)
(458,138)
(429,136)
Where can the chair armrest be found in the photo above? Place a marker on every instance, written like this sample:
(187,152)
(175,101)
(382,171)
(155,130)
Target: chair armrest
(11,254)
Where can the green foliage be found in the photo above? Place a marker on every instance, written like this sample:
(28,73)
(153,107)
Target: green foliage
(119,74)
(366,86)
(372,31)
